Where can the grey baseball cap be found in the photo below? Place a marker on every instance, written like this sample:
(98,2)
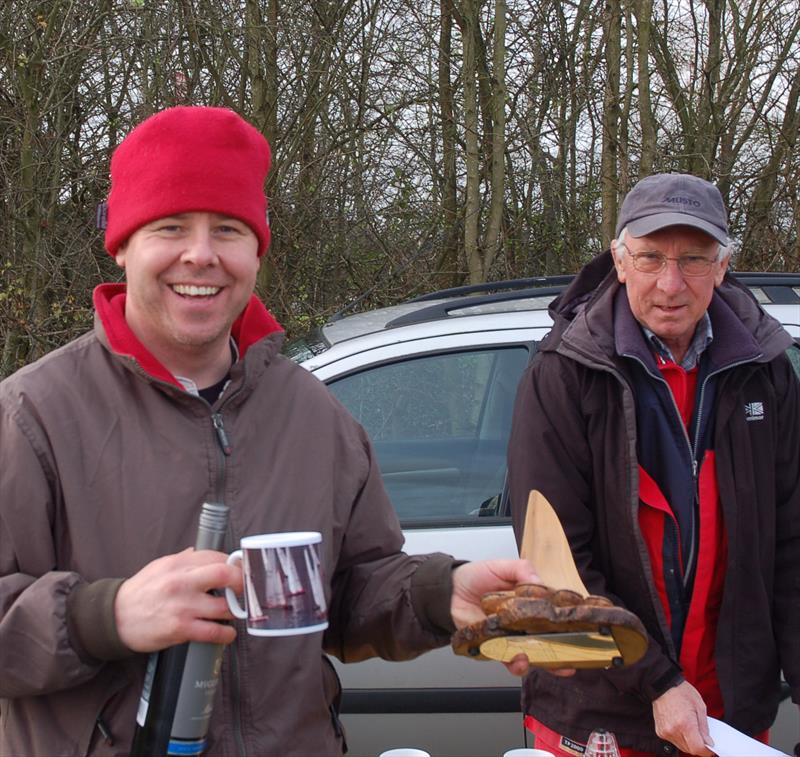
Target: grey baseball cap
(674,199)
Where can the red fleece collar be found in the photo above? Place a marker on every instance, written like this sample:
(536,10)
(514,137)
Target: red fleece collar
(253,324)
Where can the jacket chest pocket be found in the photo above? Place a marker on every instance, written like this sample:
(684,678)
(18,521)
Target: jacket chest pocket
(332,688)
(108,728)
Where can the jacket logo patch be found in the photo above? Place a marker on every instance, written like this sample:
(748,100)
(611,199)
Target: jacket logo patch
(573,747)
(754,411)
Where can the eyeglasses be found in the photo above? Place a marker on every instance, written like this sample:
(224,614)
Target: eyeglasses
(653,261)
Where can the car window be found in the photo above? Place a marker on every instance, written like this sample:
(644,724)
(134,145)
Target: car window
(440,426)
(794,355)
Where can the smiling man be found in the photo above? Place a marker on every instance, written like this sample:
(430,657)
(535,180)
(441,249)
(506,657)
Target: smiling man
(661,418)
(110,445)
(189,278)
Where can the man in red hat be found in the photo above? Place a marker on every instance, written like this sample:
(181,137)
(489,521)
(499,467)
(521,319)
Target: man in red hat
(180,396)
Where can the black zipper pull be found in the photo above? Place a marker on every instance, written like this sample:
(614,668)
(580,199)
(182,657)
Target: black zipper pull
(222,437)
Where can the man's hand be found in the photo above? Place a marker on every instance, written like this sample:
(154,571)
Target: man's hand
(680,716)
(167,602)
(472,580)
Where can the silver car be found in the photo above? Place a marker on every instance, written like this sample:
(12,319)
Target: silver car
(433,382)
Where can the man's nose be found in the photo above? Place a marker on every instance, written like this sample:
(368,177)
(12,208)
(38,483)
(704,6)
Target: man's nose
(671,278)
(200,248)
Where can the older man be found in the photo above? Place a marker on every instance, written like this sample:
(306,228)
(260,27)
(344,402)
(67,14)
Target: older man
(110,445)
(661,418)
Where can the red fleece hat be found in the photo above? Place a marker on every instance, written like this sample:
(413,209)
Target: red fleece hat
(188,159)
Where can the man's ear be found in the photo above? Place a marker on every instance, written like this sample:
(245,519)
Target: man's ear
(120,256)
(720,272)
(617,261)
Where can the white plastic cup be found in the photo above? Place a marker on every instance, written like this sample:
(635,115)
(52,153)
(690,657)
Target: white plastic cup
(527,752)
(405,751)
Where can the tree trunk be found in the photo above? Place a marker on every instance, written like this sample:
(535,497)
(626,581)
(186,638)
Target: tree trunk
(609,182)
(644,12)
(495,219)
(447,266)
(706,138)
(472,205)
(758,248)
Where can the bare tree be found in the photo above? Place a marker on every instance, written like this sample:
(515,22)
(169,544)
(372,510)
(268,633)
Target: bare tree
(415,144)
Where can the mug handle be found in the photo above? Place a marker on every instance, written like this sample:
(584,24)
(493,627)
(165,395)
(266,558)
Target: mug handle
(233,602)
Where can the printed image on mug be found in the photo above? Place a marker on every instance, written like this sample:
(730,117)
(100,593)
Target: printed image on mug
(283,586)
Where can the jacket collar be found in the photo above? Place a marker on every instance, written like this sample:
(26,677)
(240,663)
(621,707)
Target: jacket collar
(254,323)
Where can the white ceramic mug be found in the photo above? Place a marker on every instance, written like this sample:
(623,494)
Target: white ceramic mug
(528,752)
(404,751)
(283,587)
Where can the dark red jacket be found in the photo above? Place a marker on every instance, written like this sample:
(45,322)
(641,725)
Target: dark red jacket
(575,439)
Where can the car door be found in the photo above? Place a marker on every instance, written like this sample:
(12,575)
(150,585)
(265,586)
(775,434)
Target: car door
(438,411)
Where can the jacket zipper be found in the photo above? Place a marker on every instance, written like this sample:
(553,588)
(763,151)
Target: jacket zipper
(699,424)
(225,450)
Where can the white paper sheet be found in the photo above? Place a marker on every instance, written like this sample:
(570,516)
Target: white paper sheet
(728,742)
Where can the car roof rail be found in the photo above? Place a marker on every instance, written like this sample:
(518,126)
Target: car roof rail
(768,277)
(440,310)
(751,278)
(496,286)
(779,287)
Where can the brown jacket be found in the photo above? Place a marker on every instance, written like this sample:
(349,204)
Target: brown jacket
(103,468)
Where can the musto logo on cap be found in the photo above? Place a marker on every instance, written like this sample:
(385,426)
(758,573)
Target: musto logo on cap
(683,201)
